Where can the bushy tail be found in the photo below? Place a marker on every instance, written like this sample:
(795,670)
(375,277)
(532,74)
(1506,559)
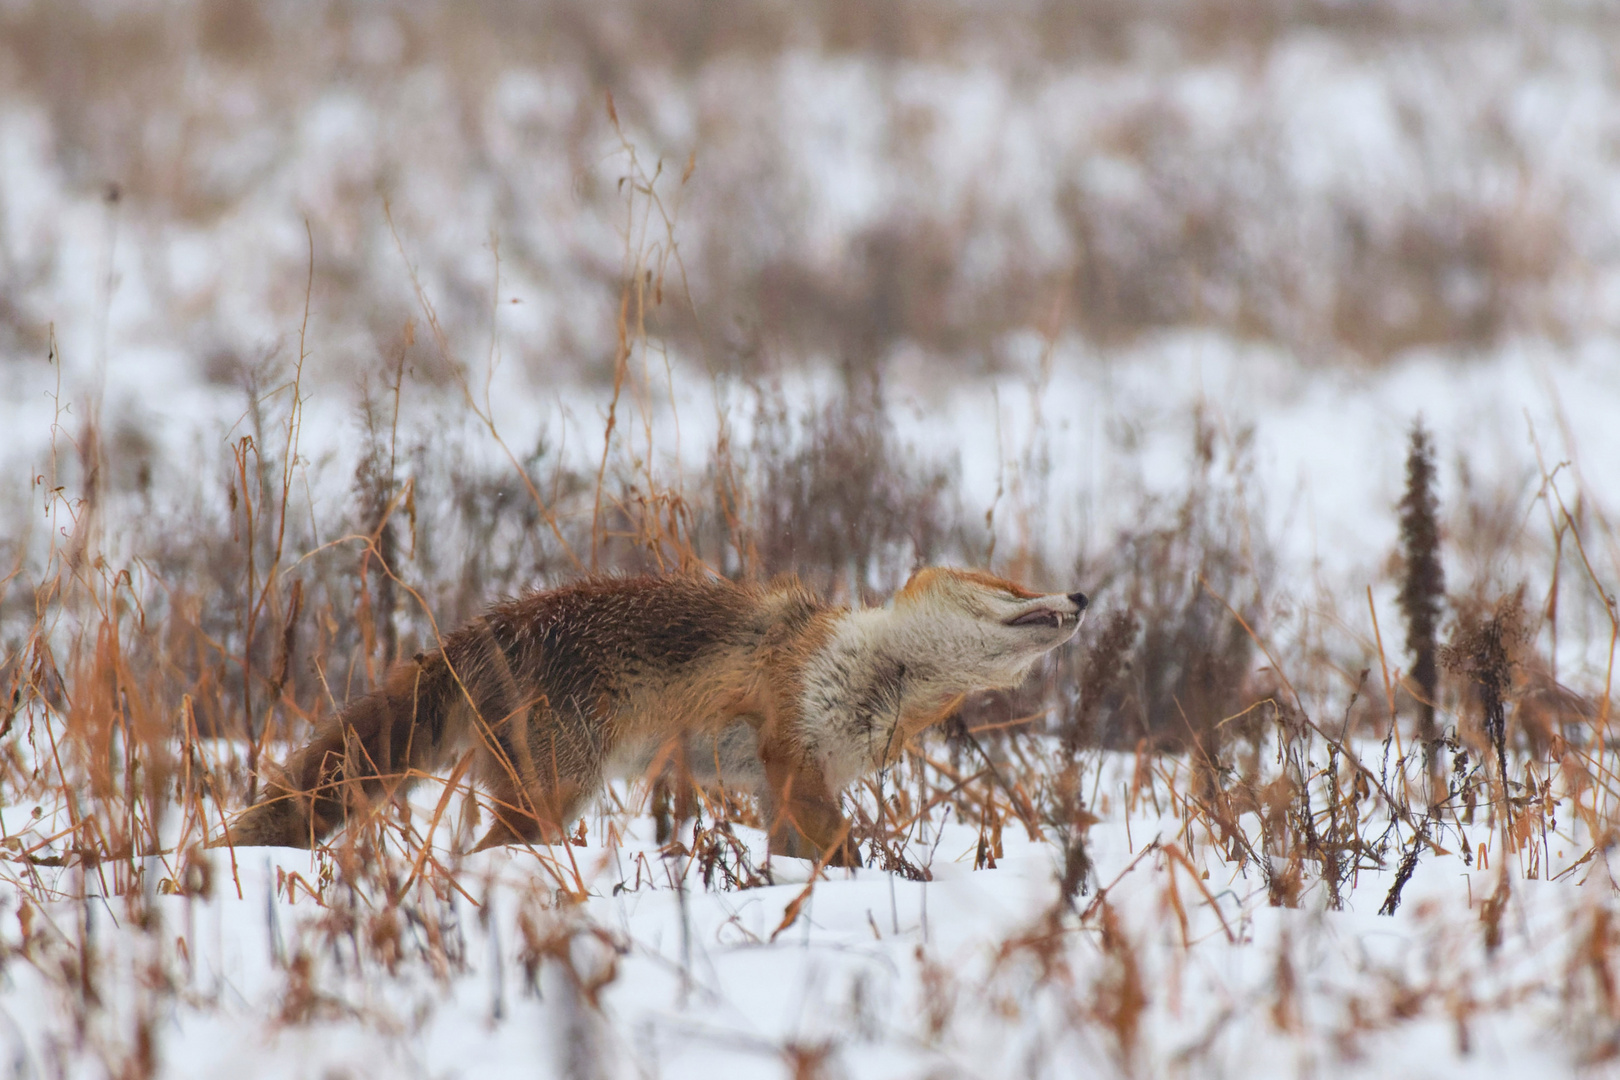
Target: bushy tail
(386,739)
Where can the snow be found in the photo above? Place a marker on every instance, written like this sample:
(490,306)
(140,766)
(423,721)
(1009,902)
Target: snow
(975,972)
(971,971)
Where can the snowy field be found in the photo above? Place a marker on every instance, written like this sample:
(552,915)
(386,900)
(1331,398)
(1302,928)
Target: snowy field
(622,961)
(321,327)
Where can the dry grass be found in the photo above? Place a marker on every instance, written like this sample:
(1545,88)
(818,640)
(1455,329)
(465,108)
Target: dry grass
(162,643)
(152,671)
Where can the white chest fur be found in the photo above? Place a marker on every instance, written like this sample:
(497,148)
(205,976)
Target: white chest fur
(881,663)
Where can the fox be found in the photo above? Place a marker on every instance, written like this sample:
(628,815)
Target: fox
(760,687)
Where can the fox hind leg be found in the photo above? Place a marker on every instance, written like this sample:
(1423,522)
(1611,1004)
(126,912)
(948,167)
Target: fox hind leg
(538,790)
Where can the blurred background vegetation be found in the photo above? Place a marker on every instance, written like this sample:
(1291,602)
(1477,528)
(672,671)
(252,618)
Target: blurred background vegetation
(922,181)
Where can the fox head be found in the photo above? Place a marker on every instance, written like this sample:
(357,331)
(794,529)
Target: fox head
(982,632)
(887,673)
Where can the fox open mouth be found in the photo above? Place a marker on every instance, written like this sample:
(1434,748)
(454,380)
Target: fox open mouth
(1045,616)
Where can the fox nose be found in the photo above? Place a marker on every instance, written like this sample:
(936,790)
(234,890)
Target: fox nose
(1078,599)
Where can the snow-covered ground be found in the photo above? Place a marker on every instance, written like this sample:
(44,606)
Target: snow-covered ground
(617,961)
(154,247)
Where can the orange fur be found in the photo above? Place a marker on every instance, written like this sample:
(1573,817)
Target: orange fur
(763,687)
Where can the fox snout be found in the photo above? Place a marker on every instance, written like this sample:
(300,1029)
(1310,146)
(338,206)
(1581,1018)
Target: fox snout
(1046,612)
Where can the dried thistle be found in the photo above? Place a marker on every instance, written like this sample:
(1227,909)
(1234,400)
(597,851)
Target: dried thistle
(1422,584)
(1106,663)
(1483,649)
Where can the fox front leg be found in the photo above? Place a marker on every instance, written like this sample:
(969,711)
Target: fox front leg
(801,813)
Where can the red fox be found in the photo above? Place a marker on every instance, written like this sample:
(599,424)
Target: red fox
(767,687)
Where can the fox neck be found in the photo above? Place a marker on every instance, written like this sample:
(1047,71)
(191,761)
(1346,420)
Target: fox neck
(881,676)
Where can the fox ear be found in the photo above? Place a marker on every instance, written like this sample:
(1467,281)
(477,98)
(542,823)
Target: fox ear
(918,580)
